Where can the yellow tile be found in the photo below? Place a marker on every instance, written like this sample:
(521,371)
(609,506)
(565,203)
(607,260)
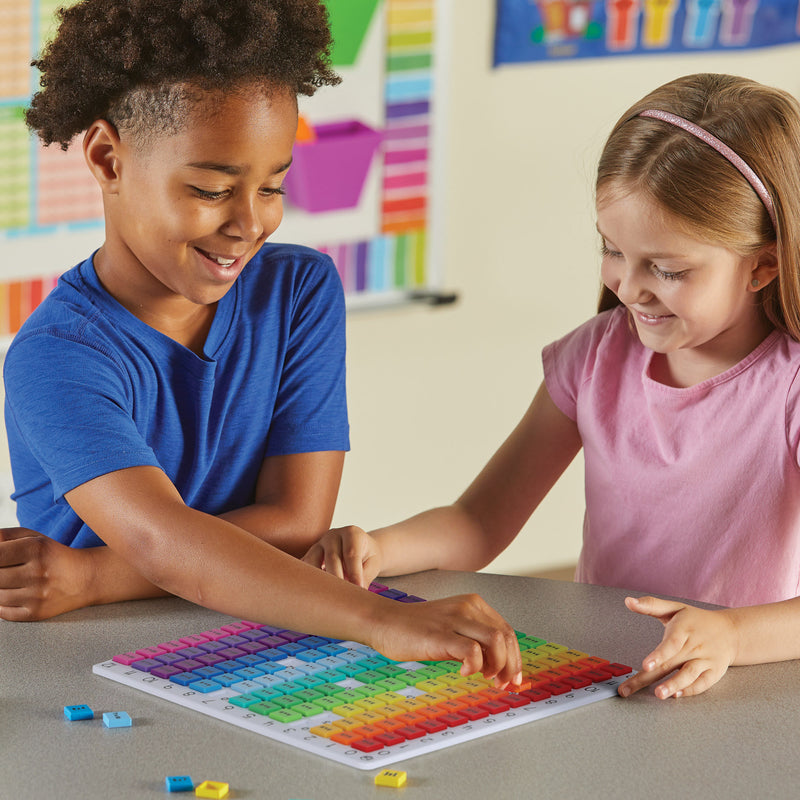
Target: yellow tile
(368,717)
(347,724)
(326,730)
(212,789)
(430,685)
(389,697)
(429,699)
(412,704)
(347,710)
(391,777)
(573,655)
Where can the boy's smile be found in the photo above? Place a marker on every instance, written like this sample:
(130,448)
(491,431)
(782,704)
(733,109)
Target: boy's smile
(186,212)
(691,301)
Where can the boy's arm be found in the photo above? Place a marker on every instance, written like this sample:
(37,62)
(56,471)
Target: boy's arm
(212,562)
(40,578)
(698,645)
(468,534)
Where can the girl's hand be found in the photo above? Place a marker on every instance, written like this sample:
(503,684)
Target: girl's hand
(39,577)
(698,643)
(348,553)
(463,628)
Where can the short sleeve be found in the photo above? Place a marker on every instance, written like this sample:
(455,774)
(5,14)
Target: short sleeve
(69,405)
(793,417)
(311,406)
(568,362)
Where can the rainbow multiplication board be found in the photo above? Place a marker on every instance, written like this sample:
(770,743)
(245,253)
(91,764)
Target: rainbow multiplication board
(346,702)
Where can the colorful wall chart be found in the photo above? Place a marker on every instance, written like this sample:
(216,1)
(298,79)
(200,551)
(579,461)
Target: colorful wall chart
(534,30)
(384,51)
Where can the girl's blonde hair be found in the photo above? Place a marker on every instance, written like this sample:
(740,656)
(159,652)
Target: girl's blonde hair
(701,189)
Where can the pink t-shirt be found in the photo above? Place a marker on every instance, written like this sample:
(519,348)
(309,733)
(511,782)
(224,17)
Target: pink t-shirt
(690,492)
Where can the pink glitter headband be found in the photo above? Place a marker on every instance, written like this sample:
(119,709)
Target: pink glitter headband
(723,150)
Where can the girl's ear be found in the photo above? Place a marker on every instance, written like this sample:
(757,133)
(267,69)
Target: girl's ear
(765,268)
(101,149)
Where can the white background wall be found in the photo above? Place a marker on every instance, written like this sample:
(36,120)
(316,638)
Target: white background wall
(434,392)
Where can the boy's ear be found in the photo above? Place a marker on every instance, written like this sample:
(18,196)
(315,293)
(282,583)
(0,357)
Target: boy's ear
(765,268)
(101,149)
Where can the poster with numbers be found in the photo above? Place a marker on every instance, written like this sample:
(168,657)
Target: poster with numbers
(536,30)
(379,233)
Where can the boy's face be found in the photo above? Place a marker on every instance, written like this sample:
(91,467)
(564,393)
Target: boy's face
(189,210)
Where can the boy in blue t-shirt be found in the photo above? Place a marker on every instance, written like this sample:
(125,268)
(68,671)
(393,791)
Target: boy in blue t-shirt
(180,396)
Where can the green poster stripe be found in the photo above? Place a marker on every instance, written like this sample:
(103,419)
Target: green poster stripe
(401,247)
(408,63)
(420,242)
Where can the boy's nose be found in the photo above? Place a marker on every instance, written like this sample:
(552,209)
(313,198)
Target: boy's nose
(249,220)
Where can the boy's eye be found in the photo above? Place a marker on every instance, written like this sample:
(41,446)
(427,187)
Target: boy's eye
(208,195)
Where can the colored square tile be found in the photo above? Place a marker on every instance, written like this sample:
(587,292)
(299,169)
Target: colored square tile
(179,783)
(78,712)
(212,789)
(116,719)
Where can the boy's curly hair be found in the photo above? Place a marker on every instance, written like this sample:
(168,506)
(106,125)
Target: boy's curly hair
(127,60)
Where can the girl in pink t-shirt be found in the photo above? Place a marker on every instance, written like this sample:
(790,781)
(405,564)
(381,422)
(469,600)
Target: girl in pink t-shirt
(682,393)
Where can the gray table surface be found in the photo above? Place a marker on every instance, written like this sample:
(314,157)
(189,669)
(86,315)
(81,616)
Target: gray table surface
(741,739)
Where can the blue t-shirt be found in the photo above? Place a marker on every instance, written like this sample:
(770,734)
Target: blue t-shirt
(91,389)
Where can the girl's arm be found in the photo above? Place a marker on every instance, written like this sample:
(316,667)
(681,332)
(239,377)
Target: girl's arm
(699,645)
(40,578)
(214,563)
(468,534)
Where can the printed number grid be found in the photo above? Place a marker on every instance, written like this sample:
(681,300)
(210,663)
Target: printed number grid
(346,702)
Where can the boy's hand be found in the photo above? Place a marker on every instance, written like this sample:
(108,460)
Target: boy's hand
(463,628)
(39,577)
(348,553)
(698,643)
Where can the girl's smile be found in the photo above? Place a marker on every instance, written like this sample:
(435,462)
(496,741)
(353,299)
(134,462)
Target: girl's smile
(651,319)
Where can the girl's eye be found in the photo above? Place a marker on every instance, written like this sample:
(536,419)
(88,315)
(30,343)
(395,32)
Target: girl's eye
(271,192)
(668,276)
(608,253)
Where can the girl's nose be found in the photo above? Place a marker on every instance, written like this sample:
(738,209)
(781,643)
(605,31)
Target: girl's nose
(630,288)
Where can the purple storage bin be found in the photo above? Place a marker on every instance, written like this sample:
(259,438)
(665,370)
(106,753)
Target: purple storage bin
(329,173)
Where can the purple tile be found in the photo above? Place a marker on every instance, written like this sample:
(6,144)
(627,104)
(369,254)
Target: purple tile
(165,672)
(146,664)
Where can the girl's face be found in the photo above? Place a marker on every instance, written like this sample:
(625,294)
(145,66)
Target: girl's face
(691,301)
(186,212)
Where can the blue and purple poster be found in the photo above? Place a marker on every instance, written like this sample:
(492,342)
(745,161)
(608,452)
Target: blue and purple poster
(535,30)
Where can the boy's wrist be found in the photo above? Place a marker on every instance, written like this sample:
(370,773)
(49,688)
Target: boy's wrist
(95,589)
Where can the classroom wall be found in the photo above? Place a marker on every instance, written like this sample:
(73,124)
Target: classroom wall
(434,392)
